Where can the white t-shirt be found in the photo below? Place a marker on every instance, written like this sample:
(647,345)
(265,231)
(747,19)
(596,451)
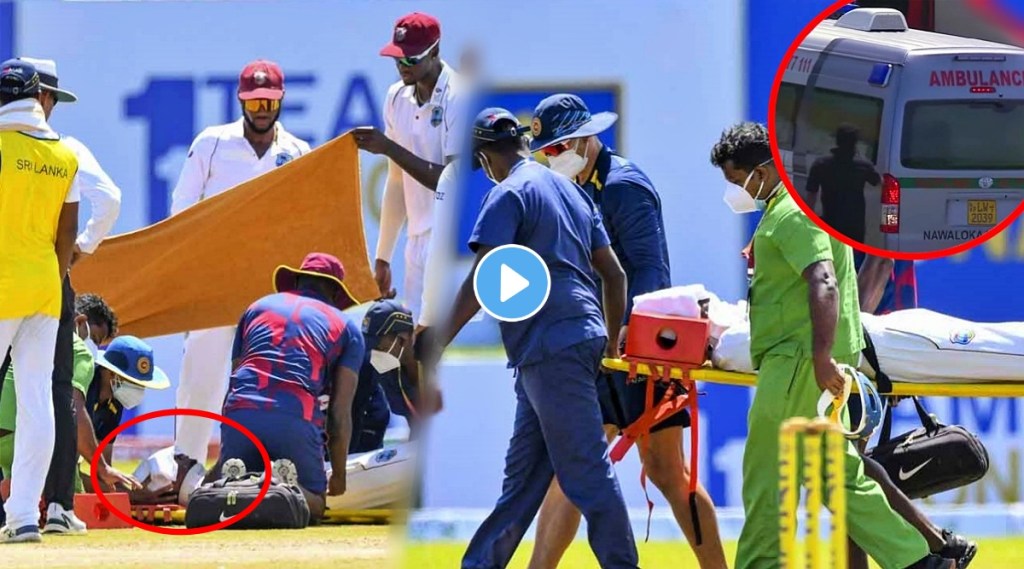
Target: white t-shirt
(436,294)
(103,194)
(220,158)
(433,132)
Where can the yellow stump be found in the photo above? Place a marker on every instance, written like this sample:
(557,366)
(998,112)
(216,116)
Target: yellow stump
(822,472)
(812,470)
(789,489)
(835,484)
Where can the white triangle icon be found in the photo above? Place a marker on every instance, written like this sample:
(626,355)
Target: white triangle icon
(512,283)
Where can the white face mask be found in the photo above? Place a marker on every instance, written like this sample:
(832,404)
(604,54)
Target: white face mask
(569,163)
(87,338)
(128,394)
(740,201)
(384,361)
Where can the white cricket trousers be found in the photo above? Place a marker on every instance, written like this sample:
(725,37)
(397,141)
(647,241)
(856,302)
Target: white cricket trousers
(202,384)
(417,248)
(32,341)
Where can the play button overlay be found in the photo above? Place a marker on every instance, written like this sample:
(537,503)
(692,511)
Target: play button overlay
(512,283)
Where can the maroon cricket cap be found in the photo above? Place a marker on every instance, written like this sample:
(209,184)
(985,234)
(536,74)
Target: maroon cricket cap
(316,265)
(261,79)
(414,34)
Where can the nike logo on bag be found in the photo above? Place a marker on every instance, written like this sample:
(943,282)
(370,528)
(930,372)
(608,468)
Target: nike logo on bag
(223,517)
(907,475)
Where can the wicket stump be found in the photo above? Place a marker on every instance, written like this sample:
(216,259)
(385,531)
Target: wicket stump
(824,479)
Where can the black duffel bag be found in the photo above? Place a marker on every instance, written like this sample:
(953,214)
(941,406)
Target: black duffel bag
(931,459)
(284,506)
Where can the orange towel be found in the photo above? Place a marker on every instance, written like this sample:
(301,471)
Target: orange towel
(203,267)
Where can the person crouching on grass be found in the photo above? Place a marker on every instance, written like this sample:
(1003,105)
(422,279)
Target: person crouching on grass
(291,349)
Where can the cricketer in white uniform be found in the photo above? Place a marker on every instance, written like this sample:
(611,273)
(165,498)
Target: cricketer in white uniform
(220,158)
(423,129)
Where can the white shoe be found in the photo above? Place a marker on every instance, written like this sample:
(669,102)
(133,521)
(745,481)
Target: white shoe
(285,472)
(233,468)
(24,534)
(61,521)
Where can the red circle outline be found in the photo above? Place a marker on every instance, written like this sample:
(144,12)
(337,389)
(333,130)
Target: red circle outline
(777,157)
(997,15)
(171,413)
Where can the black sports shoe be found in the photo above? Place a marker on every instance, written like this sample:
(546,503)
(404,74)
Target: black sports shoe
(958,549)
(934,561)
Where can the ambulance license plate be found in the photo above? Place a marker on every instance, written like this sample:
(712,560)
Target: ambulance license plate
(981,212)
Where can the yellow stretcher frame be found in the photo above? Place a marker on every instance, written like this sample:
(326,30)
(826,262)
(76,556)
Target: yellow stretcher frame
(339,517)
(712,375)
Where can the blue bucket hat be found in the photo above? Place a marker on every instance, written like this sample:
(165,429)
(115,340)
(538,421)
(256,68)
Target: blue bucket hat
(132,359)
(564,116)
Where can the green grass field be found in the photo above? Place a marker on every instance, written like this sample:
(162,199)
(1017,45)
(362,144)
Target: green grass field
(356,547)
(992,554)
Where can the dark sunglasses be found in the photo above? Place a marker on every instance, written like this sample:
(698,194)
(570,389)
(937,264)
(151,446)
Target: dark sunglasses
(416,59)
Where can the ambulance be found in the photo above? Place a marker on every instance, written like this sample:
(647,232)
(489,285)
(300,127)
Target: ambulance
(941,118)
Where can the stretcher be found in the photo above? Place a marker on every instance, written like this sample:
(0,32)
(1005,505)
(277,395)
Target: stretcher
(712,375)
(172,514)
(675,350)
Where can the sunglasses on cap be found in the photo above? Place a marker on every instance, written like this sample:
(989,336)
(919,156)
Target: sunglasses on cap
(258,105)
(414,60)
(558,149)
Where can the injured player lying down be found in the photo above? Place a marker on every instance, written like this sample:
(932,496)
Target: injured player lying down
(912,346)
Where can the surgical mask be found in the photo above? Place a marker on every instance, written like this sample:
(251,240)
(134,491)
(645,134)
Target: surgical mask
(385,361)
(569,163)
(486,165)
(129,395)
(740,201)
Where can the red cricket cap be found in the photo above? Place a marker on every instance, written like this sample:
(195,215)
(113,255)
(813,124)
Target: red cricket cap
(414,34)
(261,79)
(320,265)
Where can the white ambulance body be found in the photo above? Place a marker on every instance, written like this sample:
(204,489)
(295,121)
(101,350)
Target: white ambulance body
(941,117)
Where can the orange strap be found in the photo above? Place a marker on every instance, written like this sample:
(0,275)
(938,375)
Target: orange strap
(670,404)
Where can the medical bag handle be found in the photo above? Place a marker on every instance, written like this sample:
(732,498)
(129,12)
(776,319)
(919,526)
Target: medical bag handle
(927,421)
(883,381)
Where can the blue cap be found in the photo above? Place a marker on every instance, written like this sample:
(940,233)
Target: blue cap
(491,125)
(132,359)
(495,123)
(387,316)
(563,117)
(18,79)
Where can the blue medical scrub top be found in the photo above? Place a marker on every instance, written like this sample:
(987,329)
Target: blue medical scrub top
(546,212)
(631,209)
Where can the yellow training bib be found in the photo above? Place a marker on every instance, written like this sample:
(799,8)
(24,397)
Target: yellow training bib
(35,178)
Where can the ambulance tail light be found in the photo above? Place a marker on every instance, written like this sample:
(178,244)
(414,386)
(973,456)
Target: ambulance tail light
(890,204)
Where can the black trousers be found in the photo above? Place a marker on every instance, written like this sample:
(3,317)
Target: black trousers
(60,481)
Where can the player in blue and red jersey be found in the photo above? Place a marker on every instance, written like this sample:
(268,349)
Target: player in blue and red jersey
(885,285)
(296,363)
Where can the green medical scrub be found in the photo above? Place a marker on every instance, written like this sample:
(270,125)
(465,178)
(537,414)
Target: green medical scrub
(82,378)
(787,242)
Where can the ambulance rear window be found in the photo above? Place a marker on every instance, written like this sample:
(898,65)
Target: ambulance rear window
(963,135)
